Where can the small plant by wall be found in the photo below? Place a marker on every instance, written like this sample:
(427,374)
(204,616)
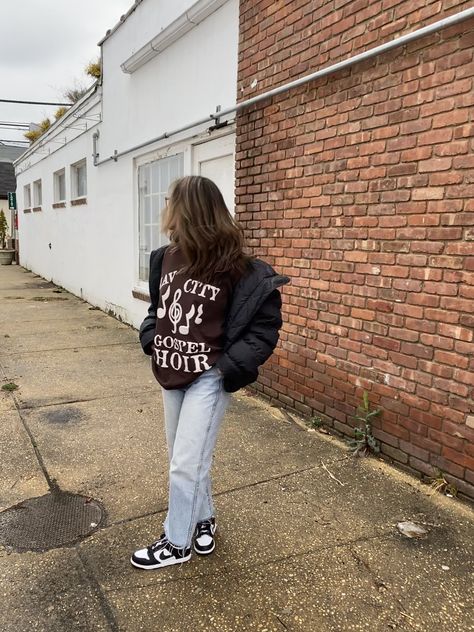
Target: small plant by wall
(34,134)
(364,441)
(94,70)
(3,230)
(60,112)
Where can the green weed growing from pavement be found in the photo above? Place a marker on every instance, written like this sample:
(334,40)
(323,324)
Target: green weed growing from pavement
(364,442)
(316,422)
(9,386)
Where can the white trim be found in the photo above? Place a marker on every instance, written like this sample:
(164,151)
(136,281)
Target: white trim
(56,193)
(74,179)
(172,33)
(167,151)
(37,193)
(186,146)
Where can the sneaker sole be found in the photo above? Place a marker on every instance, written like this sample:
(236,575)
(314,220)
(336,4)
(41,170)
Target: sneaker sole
(151,567)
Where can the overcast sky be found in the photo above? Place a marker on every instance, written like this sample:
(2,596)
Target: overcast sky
(44,47)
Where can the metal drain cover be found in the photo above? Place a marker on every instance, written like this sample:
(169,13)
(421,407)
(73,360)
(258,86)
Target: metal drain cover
(50,521)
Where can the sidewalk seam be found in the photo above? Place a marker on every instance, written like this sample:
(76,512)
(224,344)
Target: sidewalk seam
(250,568)
(223,493)
(104,603)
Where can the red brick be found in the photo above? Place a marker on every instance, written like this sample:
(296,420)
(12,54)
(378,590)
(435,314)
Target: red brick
(360,189)
(458,457)
(428,193)
(446,465)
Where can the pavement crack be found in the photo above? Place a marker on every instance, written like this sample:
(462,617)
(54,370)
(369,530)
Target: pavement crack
(110,344)
(282,623)
(377,582)
(234,572)
(52,484)
(89,399)
(96,587)
(277,477)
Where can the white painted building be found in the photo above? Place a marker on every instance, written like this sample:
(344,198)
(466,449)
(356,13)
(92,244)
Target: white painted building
(88,221)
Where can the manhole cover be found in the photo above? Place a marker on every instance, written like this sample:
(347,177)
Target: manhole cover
(50,521)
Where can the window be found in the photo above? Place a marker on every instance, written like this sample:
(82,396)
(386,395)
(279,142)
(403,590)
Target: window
(79,179)
(154,179)
(37,193)
(60,186)
(27,196)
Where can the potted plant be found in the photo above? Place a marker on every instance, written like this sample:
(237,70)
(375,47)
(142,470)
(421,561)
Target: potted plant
(6,254)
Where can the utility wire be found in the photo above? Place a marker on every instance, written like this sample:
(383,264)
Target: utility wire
(34,102)
(13,123)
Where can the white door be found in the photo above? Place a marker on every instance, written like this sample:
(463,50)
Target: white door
(215,159)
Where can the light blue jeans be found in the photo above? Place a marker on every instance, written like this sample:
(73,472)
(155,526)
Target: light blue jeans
(193,416)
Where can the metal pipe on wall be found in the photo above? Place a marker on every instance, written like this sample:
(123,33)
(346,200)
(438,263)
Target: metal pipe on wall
(373,52)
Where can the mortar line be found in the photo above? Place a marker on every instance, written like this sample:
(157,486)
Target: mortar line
(96,587)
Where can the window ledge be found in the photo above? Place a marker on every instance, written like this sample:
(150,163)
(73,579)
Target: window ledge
(141,295)
(36,209)
(26,210)
(79,201)
(59,205)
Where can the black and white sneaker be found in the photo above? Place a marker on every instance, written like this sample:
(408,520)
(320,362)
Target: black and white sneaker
(159,554)
(204,542)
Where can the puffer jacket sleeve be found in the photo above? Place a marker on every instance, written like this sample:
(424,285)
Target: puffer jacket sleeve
(147,328)
(239,363)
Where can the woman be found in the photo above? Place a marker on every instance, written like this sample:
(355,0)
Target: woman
(214,319)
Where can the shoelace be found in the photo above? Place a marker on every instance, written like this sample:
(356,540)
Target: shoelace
(203,527)
(159,543)
(162,543)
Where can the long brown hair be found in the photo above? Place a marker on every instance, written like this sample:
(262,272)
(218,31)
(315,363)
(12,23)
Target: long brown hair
(197,220)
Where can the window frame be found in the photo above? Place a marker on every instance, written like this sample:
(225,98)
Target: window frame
(185,146)
(57,199)
(27,196)
(75,180)
(141,285)
(37,199)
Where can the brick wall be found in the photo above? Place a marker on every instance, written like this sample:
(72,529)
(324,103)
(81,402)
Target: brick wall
(360,187)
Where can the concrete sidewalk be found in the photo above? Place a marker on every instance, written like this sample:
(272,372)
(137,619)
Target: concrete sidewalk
(297,550)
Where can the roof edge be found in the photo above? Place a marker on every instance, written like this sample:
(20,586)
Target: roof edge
(74,107)
(123,18)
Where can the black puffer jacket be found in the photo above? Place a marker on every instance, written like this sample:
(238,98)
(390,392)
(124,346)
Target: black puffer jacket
(252,324)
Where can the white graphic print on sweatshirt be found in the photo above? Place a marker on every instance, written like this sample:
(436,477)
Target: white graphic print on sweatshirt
(178,353)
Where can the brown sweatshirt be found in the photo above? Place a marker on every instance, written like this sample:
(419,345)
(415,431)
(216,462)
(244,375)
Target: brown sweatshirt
(189,323)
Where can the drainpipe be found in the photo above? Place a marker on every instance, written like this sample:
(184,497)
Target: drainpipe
(346,63)
(95,153)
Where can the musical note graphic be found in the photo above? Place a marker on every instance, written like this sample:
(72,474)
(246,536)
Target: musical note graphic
(198,319)
(161,311)
(184,329)
(175,311)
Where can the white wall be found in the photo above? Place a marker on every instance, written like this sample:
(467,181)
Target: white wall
(94,247)
(182,84)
